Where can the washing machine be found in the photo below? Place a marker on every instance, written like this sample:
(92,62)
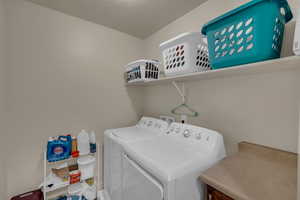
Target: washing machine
(167,167)
(114,139)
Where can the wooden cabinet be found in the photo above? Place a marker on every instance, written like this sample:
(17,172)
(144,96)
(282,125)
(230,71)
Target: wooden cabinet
(213,194)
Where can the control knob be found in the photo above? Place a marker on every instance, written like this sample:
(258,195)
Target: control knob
(186,133)
(199,136)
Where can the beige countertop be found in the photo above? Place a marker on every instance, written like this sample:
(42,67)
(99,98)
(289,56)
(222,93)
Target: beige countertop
(255,173)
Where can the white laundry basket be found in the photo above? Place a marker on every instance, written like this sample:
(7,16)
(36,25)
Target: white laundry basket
(86,166)
(186,53)
(142,70)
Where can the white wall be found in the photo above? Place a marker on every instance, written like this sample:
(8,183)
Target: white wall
(259,108)
(2,100)
(64,74)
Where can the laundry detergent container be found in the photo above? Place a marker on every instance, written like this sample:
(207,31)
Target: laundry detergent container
(250,33)
(186,53)
(86,166)
(59,148)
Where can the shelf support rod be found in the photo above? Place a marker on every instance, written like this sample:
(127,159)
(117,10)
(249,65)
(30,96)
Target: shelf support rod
(181,92)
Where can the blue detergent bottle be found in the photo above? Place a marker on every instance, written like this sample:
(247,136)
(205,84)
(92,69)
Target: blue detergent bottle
(59,148)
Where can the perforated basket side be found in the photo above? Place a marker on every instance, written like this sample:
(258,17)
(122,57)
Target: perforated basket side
(202,59)
(151,71)
(185,55)
(175,57)
(142,70)
(251,33)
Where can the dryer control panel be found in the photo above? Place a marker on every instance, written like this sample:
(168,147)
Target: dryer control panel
(187,131)
(153,124)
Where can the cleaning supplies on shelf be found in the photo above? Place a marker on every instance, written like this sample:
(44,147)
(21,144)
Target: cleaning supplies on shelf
(90,181)
(74,197)
(82,191)
(93,146)
(59,148)
(62,172)
(250,33)
(62,198)
(53,182)
(73,167)
(75,176)
(89,192)
(75,152)
(70,197)
(75,189)
(74,170)
(86,166)
(83,141)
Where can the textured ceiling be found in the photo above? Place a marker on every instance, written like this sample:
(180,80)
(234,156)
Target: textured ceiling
(139,18)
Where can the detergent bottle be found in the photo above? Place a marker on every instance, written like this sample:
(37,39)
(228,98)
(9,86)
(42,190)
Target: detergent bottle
(59,148)
(83,141)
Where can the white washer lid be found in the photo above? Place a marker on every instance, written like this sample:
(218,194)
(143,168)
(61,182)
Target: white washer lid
(133,133)
(169,157)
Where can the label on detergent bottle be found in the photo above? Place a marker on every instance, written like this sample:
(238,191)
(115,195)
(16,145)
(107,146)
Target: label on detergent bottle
(58,150)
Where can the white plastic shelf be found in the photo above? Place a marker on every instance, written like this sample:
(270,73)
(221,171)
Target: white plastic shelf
(280,64)
(63,185)
(54,188)
(68,159)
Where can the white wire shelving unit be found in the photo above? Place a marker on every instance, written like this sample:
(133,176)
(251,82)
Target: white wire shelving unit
(55,192)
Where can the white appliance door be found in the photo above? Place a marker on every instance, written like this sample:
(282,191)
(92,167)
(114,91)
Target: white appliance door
(113,168)
(139,184)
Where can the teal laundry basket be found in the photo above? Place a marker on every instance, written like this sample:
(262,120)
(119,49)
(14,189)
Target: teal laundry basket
(250,33)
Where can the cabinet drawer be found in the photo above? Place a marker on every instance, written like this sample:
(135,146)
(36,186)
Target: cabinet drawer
(213,194)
